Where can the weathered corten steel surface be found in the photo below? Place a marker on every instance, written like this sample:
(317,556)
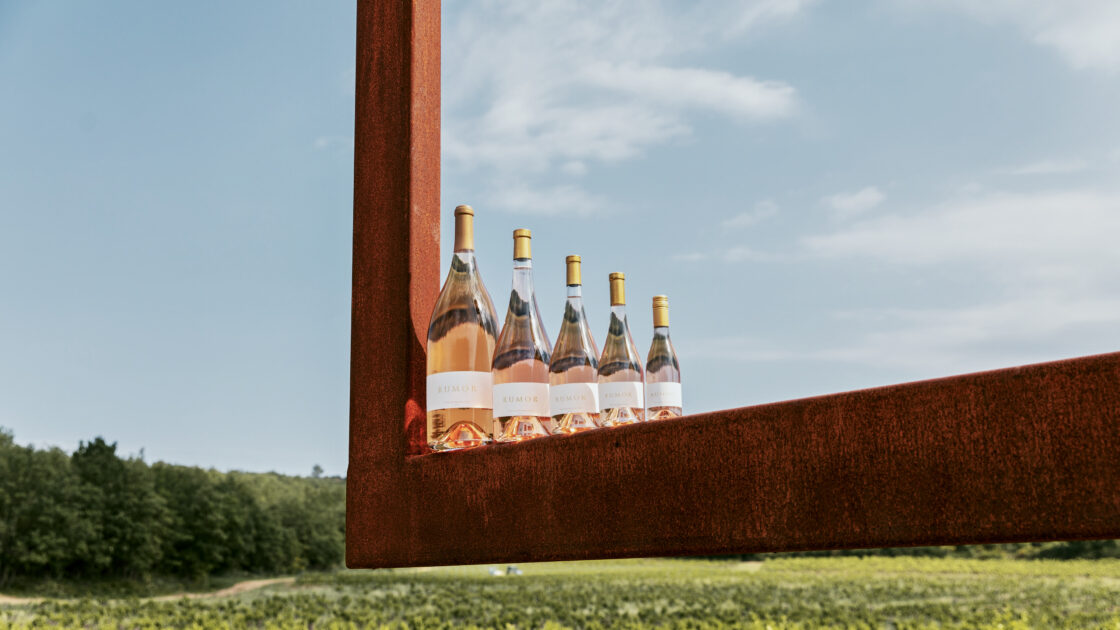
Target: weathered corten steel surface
(396,245)
(1021,454)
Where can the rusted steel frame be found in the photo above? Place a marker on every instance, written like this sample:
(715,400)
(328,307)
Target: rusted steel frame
(1022,454)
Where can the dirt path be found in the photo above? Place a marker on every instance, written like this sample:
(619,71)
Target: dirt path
(236,589)
(5,600)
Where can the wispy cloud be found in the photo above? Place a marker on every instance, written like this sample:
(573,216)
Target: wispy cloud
(554,200)
(690,257)
(592,84)
(941,341)
(735,254)
(762,210)
(1023,231)
(696,88)
(326,142)
(1050,258)
(1084,32)
(846,206)
(1048,167)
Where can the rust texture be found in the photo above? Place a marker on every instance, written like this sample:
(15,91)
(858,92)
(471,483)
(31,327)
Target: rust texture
(396,252)
(1021,454)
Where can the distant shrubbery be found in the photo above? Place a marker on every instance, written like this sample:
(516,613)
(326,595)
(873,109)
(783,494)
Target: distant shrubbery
(1066,550)
(94,514)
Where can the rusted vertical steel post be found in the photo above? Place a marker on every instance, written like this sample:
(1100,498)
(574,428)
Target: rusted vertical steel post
(396,244)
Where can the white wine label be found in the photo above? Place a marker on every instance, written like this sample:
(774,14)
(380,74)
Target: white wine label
(520,399)
(663,395)
(612,395)
(460,390)
(574,398)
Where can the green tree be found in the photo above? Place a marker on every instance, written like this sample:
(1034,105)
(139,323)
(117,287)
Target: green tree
(41,526)
(196,541)
(121,504)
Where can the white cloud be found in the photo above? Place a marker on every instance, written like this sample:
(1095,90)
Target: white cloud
(942,341)
(532,90)
(690,257)
(697,88)
(755,13)
(762,210)
(741,254)
(1085,32)
(575,167)
(996,333)
(555,200)
(326,142)
(730,255)
(1049,258)
(1049,167)
(1028,231)
(850,205)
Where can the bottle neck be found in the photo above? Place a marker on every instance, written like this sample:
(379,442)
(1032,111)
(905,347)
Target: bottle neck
(523,276)
(619,311)
(661,331)
(575,291)
(466,258)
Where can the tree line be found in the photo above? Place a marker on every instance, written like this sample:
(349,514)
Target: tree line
(95,514)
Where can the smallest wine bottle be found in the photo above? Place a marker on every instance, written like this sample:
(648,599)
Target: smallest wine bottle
(663,372)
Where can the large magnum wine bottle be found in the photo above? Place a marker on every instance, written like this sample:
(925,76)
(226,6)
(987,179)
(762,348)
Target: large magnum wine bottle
(521,358)
(663,372)
(573,372)
(621,399)
(460,350)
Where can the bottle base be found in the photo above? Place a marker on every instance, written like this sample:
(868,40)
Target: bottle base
(460,436)
(575,423)
(521,428)
(662,413)
(620,416)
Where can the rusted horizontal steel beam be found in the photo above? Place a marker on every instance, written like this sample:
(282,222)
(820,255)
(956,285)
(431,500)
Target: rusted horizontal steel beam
(1021,454)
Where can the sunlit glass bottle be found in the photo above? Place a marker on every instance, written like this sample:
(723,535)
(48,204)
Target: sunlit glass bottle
(663,372)
(461,338)
(621,398)
(573,371)
(521,359)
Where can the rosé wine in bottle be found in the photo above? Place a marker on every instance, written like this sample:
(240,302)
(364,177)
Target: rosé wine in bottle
(460,350)
(663,372)
(573,371)
(521,402)
(621,395)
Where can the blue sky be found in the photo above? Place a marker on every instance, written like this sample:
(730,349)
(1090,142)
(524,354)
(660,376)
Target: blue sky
(834,195)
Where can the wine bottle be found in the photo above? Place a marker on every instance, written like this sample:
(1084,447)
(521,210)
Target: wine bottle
(573,371)
(621,398)
(461,338)
(521,358)
(663,372)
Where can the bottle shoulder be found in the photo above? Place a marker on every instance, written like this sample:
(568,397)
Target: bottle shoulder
(619,351)
(523,337)
(463,299)
(575,345)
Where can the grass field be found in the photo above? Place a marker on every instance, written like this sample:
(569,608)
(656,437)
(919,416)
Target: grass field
(779,593)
